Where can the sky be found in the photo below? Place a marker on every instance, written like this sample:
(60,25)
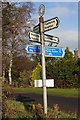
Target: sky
(42,0)
(67,12)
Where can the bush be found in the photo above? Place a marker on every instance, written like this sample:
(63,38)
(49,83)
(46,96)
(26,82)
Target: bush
(7,89)
(38,111)
(56,113)
(14,109)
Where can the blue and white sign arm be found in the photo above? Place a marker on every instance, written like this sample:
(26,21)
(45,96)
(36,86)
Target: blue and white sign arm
(26,48)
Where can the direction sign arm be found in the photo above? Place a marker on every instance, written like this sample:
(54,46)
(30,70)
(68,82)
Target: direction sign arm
(51,24)
(51,38)
(58,21)
(53,41)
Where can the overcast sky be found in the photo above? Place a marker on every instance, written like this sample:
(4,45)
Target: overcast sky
(67,12)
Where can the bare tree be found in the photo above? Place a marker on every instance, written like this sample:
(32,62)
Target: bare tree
(16,24)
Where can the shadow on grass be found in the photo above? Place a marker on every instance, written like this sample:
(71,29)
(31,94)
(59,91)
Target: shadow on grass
(24,98)
(27,101)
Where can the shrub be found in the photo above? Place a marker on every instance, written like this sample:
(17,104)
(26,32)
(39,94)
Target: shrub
(56,113)
(15,109)
(7,90)
(38,111)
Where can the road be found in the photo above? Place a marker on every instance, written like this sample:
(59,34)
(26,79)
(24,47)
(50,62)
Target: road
(65,104)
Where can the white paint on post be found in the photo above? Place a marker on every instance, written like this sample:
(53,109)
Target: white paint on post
(43,65)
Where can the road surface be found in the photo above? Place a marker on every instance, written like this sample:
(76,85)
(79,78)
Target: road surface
(65,104)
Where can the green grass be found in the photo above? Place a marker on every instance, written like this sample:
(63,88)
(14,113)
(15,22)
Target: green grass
(51,91)
(64,92)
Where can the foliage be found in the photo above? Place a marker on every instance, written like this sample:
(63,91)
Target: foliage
(16,24)
(38,111)
(36,73)
(22,63)
(68,53)
(58,114)
(14,109)
(78,62)
(21,71)
(7,89)
(62,70)
(24,78)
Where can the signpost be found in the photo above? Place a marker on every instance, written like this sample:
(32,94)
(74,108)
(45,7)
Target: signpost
(51,38)
(48,25)
(54,52)
(51,24)
(36,29)
(41,20)
(49,51)
(34,37)
(33,49)
(38,36)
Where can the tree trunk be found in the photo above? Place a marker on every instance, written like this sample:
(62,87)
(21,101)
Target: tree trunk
(10,69)
(3,73)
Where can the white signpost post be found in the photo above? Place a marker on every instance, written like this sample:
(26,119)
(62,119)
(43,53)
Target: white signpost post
(38,36)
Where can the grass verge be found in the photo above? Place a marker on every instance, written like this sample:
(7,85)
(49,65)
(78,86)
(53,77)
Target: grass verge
(74,93)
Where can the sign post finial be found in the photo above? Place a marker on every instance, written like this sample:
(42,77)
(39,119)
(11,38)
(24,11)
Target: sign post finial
(41,10)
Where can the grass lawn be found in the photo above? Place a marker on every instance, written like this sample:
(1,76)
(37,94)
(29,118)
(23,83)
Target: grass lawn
(51,91)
